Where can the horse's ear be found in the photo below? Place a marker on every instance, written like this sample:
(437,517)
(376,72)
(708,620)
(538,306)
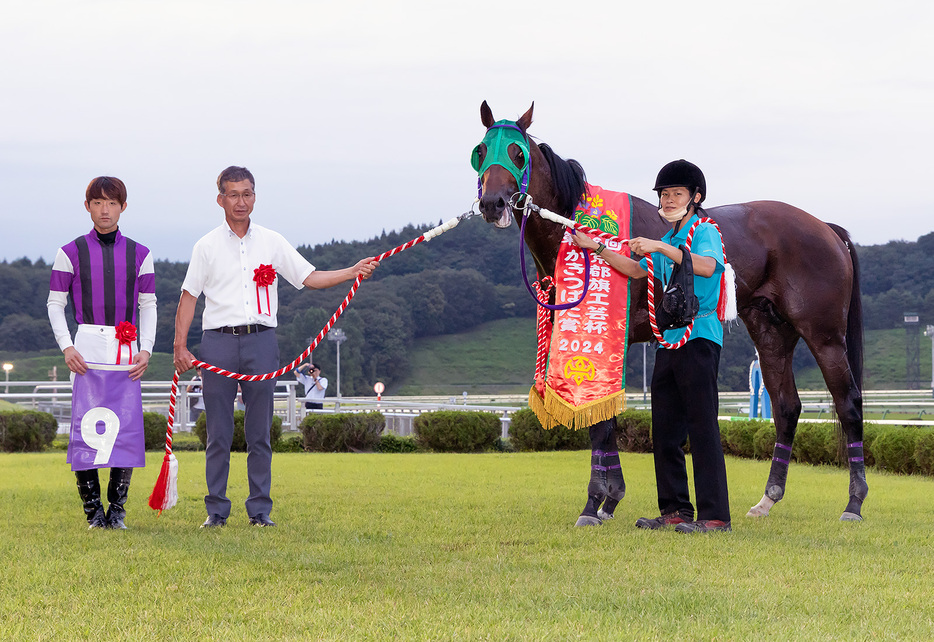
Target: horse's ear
(526,121)
(486,115)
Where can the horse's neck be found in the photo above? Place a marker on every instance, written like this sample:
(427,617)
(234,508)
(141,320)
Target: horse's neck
(543,239)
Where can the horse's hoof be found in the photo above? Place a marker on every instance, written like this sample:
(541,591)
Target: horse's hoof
(603,515)
(850,517)
(587,520)
(762,508)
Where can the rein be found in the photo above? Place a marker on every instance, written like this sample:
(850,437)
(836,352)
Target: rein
(548,215)
(525,277)
(157,499)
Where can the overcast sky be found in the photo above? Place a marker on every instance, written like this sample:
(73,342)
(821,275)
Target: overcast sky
(360,116)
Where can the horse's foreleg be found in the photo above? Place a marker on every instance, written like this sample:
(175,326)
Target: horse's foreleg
(606,477)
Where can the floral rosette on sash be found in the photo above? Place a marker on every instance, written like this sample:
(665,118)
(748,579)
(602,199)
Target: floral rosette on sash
(264,276)
(125,333)
(585,379)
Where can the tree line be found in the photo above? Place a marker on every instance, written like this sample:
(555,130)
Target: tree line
(450,284)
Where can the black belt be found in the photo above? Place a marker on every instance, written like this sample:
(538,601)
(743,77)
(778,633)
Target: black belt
(237,330)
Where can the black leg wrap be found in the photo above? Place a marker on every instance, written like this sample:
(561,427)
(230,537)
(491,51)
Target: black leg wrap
(616,484)
(597,487)
(778,474)
(117,492)
(89,489)
(859,489)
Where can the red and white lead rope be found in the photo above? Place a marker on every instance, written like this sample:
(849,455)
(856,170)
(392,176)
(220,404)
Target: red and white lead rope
(164,494)
(543,288)
(651,289)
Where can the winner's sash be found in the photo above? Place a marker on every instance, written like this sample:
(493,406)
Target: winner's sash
(106,420)
(586,373)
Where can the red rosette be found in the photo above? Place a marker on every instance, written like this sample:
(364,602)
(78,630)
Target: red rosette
(264,275)
(126,335)
(126,332)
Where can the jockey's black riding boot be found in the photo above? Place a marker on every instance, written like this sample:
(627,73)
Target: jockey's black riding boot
(89,489)
(117,492)
(615,484)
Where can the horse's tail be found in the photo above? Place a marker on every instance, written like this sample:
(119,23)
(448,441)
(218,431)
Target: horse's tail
(854,319)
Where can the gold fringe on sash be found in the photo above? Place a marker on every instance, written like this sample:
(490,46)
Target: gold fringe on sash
(554,411)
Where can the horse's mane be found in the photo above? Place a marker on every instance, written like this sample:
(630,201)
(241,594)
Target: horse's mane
(568,178)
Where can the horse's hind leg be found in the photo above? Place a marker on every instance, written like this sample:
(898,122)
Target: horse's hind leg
(848,400)
(775,340)
(606,477)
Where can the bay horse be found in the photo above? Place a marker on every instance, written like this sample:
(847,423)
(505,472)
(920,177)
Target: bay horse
(796,278)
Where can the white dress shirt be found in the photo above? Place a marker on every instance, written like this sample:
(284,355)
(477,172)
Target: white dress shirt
(222,268)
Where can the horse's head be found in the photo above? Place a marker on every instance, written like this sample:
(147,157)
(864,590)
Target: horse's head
(502,161)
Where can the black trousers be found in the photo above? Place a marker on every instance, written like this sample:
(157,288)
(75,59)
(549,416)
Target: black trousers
(684,404)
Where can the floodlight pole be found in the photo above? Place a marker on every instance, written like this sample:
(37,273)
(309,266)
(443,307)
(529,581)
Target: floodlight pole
(338,336)
(929,332)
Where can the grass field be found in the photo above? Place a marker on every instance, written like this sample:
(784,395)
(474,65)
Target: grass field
(469,547)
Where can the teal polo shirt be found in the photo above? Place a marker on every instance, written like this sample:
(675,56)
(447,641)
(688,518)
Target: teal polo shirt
(706,242)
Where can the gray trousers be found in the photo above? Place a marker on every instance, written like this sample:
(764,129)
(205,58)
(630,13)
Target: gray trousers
(256,353)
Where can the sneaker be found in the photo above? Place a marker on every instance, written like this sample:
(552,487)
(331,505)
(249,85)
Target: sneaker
(703,526)
(662,521)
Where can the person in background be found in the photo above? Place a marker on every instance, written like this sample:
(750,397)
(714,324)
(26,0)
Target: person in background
(196,403)
(309,375)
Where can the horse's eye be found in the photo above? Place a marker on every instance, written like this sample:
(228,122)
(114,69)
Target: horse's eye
(519,159)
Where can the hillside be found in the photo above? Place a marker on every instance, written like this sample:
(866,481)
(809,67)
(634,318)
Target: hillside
(499,356)
(426,306)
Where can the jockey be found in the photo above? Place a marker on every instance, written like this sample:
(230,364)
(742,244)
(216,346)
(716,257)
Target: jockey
(684,382)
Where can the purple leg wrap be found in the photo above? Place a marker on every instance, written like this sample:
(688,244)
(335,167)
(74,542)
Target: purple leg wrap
(854,451)
(781,453)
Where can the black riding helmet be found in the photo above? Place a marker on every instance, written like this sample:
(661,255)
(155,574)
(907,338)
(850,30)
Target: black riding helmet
(681,173)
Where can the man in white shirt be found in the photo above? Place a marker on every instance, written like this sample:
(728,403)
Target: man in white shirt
(309,375)
(237,267)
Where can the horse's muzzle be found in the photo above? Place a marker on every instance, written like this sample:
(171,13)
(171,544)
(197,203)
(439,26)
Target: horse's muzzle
(495,210)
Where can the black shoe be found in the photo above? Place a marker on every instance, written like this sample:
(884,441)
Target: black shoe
(704,526)
(261,520)
(662,521)
(214,521)
(115,519)
(98,519)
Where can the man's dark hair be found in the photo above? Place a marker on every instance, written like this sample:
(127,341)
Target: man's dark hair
(105,187)
(234,174)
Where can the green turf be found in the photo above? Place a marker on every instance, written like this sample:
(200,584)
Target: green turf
(468,547)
